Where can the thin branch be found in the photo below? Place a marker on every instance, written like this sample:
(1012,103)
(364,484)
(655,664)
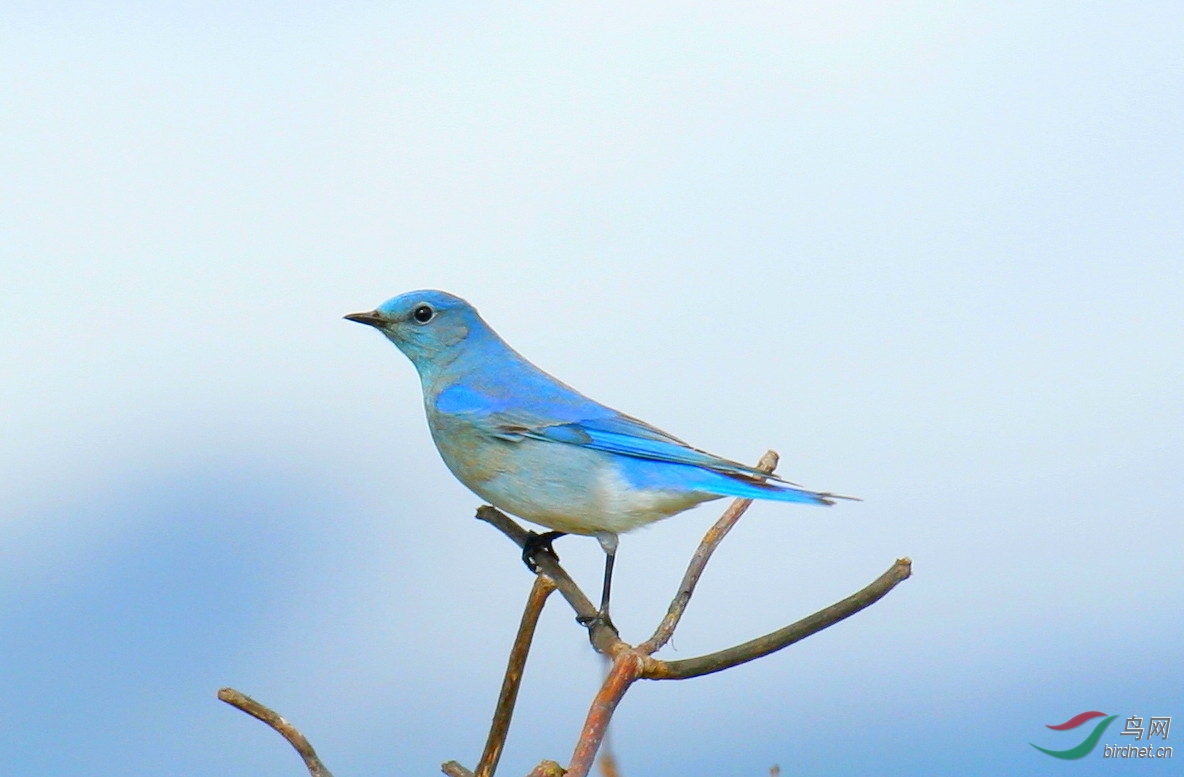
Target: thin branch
(285,729)
(603,638)
(772,642)
(454,769)
(690,579)
(542,588)
(627,667)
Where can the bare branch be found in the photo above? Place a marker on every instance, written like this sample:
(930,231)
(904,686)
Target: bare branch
(762,646)
(454,769)
(285,729)
(542,588)
(603,638)
(690,579)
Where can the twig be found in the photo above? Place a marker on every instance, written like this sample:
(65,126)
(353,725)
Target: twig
(774,641)
(690,579)
(285,729)
(603,638)
(454,769)
(542,588)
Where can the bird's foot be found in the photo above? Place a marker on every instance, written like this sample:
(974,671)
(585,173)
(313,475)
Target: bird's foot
(537,543)
(601,617)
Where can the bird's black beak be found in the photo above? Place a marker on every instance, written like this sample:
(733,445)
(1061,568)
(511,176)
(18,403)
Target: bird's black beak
(369,318)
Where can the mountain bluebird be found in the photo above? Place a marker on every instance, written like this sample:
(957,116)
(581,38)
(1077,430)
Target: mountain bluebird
(534,447)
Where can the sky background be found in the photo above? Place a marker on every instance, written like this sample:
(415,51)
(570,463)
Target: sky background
(932,253)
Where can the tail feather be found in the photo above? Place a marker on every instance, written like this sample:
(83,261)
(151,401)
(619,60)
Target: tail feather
(780,492)
(670,476)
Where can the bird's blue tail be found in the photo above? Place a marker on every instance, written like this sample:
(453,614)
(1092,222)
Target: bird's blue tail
(665,475)
(780,492)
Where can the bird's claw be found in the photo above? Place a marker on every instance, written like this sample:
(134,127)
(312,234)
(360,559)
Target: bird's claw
(601,617)
(537,543)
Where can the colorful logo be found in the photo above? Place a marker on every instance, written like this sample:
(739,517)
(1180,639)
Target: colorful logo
(1088,744)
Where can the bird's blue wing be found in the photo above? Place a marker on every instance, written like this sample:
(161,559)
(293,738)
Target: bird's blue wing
(630,437)
(570,418)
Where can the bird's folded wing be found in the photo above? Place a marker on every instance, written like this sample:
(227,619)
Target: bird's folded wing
(584,423)
(629,437)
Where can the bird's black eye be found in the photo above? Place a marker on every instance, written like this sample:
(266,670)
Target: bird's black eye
(423,314)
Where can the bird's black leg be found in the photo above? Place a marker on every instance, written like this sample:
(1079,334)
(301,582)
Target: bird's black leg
(608,541)
(539,542)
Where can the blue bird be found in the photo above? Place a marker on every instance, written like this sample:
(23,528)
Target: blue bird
(538,449)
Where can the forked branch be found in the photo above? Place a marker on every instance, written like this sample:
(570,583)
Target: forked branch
(628,663)
(783,637)
(604,639)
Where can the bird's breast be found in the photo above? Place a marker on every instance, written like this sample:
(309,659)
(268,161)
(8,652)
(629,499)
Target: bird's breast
(473,457)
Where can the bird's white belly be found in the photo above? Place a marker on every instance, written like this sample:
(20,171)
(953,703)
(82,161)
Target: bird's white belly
(562,487)
(603,502)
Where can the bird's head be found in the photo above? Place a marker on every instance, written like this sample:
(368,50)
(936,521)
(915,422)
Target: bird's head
(427,325)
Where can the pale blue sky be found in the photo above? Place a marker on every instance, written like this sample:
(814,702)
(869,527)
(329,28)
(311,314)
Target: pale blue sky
(931,253)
